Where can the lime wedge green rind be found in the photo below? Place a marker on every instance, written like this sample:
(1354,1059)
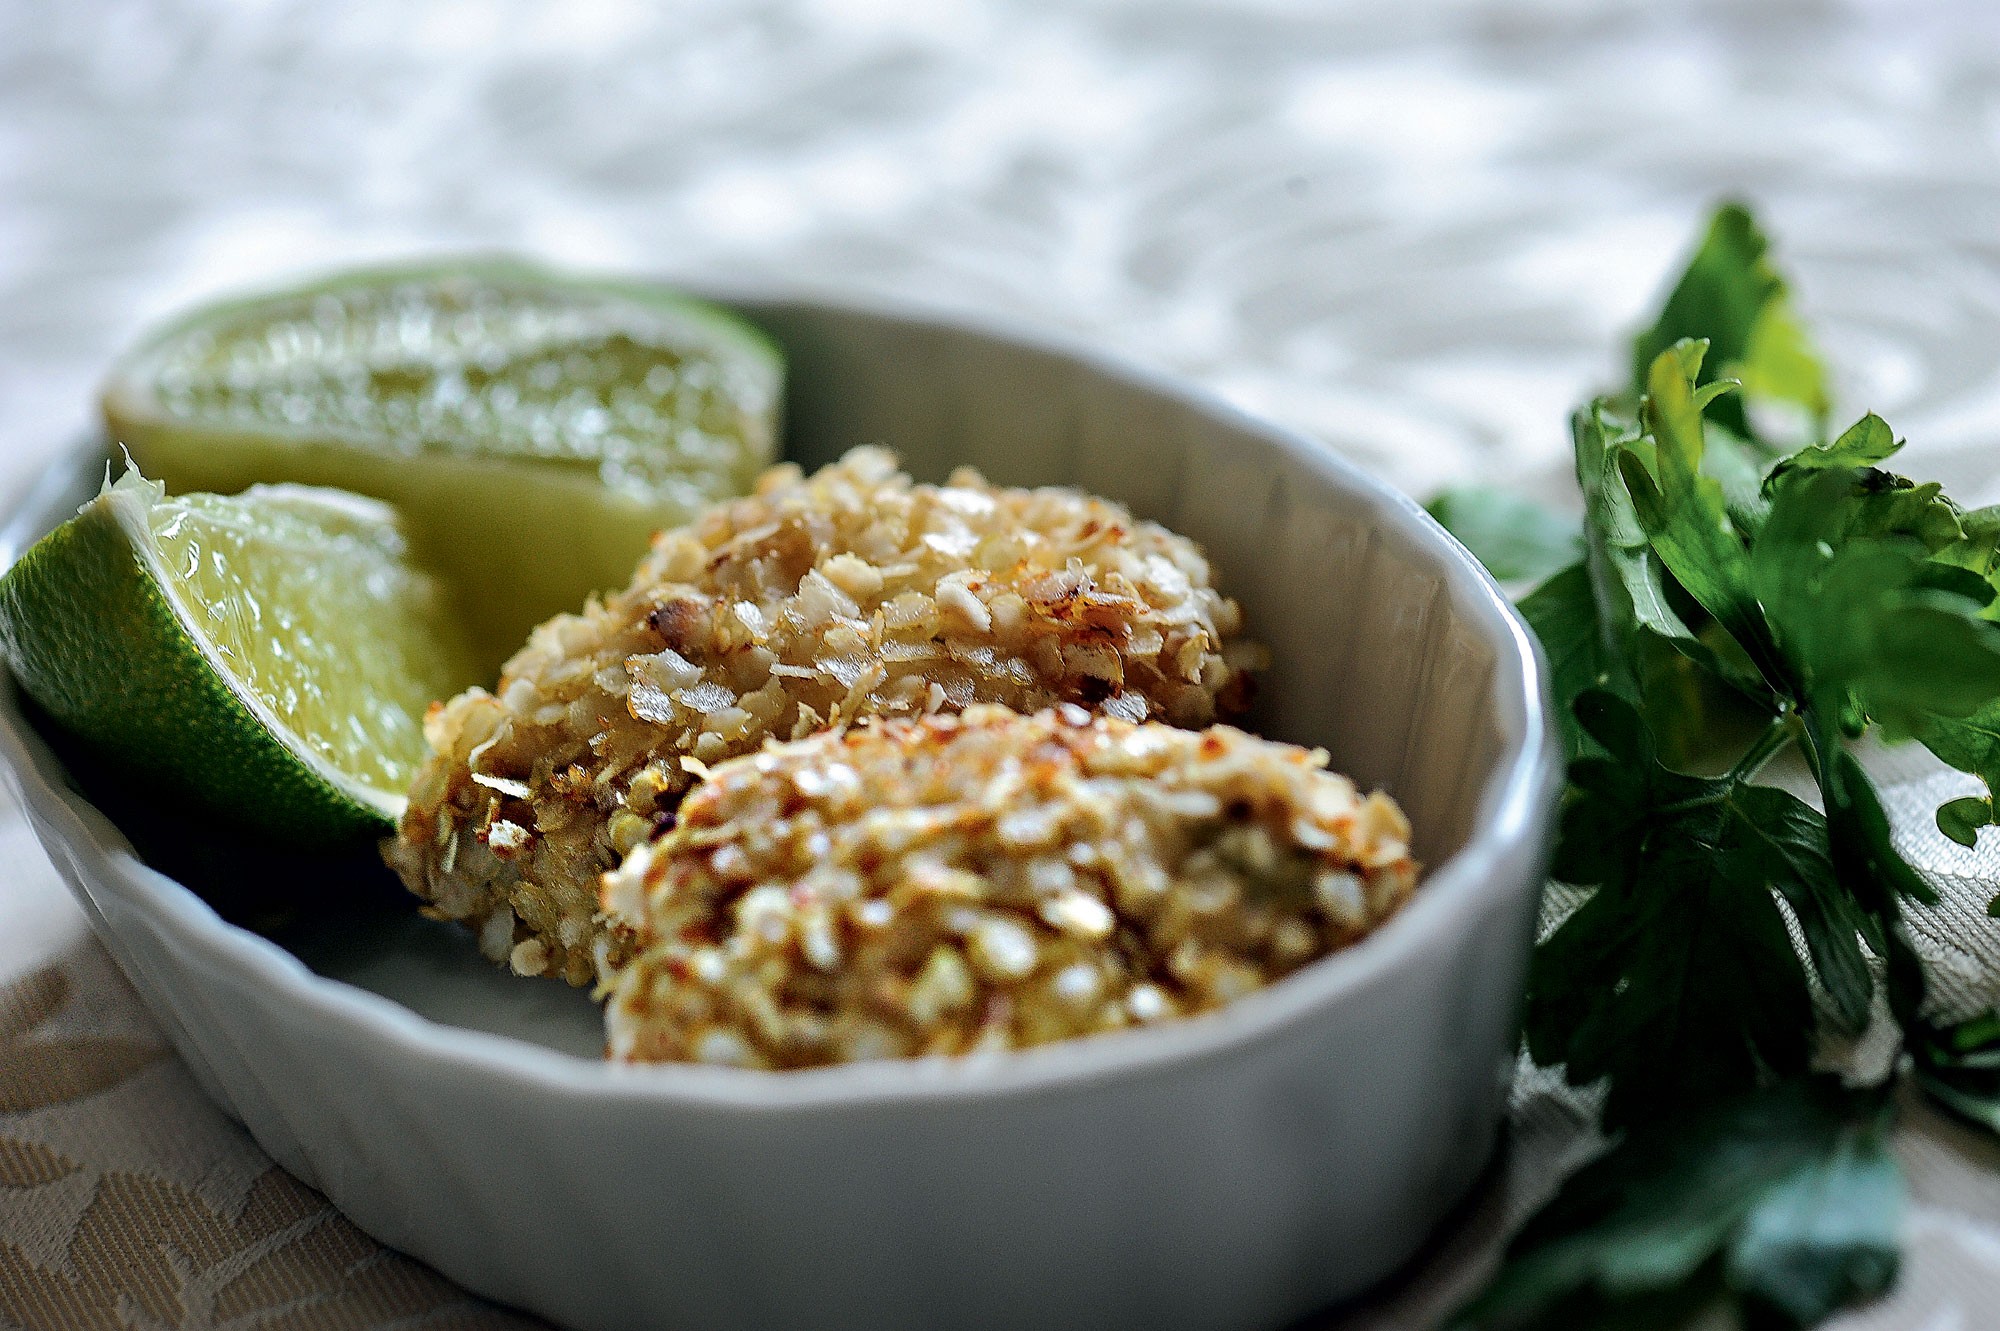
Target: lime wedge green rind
(535,428)
(107,639)
(198,369)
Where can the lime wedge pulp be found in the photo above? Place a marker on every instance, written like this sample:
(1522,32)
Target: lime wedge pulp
(267,657)
(534,428)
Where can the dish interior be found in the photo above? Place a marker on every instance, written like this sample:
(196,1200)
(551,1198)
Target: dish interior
(1370,659)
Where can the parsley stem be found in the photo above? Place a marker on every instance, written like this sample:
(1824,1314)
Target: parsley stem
(1783,730)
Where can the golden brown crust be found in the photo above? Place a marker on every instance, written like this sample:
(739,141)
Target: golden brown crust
(814,601)
(987,881)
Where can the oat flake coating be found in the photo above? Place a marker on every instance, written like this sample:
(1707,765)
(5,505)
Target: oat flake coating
(810,603)
(988,881)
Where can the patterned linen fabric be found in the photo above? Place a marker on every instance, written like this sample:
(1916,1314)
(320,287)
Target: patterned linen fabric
(1418,231)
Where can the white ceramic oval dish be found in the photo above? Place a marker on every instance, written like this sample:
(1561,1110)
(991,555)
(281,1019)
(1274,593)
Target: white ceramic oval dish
(1231,1171)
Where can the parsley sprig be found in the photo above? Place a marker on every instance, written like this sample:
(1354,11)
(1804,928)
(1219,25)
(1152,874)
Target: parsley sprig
(1734,601)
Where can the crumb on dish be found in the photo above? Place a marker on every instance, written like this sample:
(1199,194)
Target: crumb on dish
(810,603)
(988,881)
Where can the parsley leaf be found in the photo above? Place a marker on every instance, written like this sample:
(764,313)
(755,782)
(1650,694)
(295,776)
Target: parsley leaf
(1865,443)
(1673,979)
(1627,576)
(1978,546)
(1865,619)
(1735,602)
(1959,1067)
(1786,1198)
(1731,296)
(1517,539)
(1775,840)
(1680,672)
(1681,510)
(1563,613)
(1971,744)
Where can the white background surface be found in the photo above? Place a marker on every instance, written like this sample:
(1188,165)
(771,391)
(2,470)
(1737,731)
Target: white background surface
(1418,230)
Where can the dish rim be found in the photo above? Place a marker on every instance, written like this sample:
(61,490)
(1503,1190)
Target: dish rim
(1514,808)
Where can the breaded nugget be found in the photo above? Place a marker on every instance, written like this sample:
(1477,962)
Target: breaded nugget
(814,601)
(987,881)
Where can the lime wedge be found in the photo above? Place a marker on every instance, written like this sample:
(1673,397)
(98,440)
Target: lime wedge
(534,428)
(266,656)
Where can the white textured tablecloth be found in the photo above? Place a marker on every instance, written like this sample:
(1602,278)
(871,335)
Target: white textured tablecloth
(1418,231)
